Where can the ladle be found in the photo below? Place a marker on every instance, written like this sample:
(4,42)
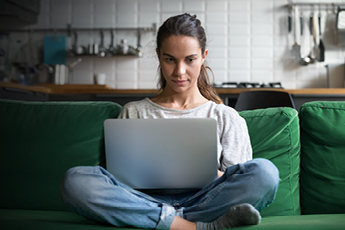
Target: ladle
(311,57)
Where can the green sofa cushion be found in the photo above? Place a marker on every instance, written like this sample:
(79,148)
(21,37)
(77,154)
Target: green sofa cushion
(274,134)
(40,141)
(323,157)
(57,220)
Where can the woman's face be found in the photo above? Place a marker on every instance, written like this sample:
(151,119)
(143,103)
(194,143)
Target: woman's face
(181,59)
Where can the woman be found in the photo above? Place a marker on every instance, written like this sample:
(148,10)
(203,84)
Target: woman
(244,186)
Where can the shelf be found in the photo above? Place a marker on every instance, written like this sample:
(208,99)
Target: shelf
(69,29)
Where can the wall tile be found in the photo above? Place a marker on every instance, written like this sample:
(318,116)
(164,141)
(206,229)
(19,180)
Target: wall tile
(81,77)
(194,6)
(239,75)
(146,19)
(240,5)
(148,63)
(171,6)
(126,63)
(261,53)
(261,76)
(152,6)
(104,13)
(239,63)
(216,18)
(43,19)
(166,15)
(219,76)
(240,18)
(262,6)
(212,29)
(127,6)
(261,41)
(239,41)
(265,18)
(239,52)
(262,29)
(125,19)
(61,13)
(239,29)
(148,76)
(82,13)
(285,76)
(217,41)
(127,13)
(104,65)
(217,63)
(217,6)
(262,63)
(85,65)
(215,52)
(126,76)
(110,80)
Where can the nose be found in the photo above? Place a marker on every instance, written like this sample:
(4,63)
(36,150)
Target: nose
(180,69)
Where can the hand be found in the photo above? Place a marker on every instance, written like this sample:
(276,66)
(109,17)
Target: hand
(220,173)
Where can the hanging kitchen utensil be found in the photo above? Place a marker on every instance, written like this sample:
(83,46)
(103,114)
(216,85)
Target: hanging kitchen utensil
(304,60)
(78,49)
(111,48)
(290,20)
(301,23)
(316,37)
(101,48)
(139,49)
(340,23)
(296,48)
(321,57)
(311,55)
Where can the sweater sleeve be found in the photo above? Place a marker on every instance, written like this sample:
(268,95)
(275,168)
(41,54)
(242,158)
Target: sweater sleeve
(235,140)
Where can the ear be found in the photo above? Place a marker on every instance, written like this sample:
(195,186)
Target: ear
(158,53)
(204,55)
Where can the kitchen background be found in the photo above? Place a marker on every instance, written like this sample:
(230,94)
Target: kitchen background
(248,40)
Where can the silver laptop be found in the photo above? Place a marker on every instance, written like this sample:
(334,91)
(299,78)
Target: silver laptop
(162,153)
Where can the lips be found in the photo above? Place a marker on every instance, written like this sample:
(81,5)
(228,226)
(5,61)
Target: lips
(180,82)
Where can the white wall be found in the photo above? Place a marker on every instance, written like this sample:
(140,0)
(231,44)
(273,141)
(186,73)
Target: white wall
(248,40)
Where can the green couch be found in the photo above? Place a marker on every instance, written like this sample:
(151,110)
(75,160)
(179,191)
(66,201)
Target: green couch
(41,140)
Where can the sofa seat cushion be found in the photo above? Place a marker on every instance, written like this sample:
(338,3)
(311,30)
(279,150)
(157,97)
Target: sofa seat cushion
(44,220)
(323,157)
(57,220)
(274,135)
(300,222)
(40,141)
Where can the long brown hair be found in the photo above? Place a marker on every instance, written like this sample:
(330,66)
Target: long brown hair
(188,25)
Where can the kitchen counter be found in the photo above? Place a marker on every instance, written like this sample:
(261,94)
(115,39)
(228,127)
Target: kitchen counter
(104,89)
(71,92)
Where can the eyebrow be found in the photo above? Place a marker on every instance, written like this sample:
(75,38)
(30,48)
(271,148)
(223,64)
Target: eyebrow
(189,56)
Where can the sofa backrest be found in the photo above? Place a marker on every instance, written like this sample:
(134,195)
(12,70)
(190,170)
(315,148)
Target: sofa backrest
(274,134)
(39,141)
(323,157)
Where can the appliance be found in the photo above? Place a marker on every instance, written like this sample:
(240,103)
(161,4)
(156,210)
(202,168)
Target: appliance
(248,85)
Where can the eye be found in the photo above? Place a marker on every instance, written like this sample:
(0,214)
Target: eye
(170,59)
(190,60)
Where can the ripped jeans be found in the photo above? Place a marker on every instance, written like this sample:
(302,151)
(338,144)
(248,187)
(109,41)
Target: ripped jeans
(95,194)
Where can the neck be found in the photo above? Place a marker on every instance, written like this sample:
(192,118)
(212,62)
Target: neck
(180,101)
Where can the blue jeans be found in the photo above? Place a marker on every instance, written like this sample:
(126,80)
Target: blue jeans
(95,194)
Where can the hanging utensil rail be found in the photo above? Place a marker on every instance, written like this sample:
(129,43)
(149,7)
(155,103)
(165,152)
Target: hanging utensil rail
(320,5)
(70,29)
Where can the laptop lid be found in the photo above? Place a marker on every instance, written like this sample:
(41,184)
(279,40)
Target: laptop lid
(162,153)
